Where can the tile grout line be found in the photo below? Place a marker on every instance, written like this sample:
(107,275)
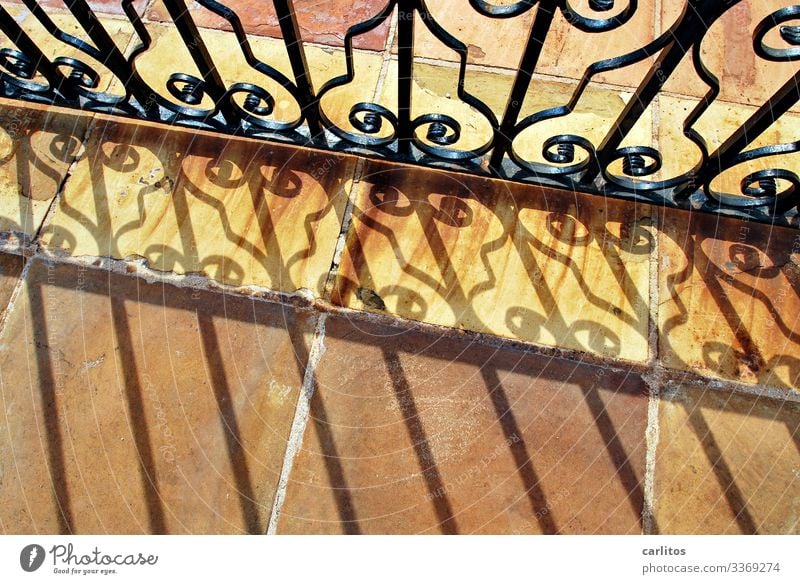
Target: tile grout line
(358,174)
(341,239)
(652,382)
(302,302)
(147,8)
(387,55)
(31,249)
(299,423)
(56,202)
(651,441)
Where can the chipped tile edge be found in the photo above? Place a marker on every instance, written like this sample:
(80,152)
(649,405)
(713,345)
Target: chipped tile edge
(18,286)
(304,300)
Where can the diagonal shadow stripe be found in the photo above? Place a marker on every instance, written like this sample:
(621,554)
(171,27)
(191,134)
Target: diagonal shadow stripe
(138,424)
(47,390)
(408,408)
(519,450)
(229,423)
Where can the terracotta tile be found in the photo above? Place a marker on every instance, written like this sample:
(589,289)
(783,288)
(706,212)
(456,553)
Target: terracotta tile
(488,256)
(567,52)
(410,433)
(243,212)
(727,52)
(727,464)
(106,7)
(10,270)
(134,408)
(728,294)
(38,144)
(493,42)
(318,23)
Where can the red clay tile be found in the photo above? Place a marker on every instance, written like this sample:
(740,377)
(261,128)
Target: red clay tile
(132,407)
(727,464)
(99,6)
(727,52)
(411,433)
(325,23)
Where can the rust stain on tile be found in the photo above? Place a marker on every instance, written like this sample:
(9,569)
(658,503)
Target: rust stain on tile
(729,293)
(540,265)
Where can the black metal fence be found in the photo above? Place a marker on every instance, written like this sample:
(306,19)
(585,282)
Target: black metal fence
(568,160)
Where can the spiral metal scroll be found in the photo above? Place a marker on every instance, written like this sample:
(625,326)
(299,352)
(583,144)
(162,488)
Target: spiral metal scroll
(201,98)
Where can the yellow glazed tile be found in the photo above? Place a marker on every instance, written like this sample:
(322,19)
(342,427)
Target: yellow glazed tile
(716,125)
(435,90)
(120,31)
(169,54)
(37,145)
(540,265)
(241,211)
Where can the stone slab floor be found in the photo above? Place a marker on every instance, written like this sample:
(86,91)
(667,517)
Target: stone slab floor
(205,334)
